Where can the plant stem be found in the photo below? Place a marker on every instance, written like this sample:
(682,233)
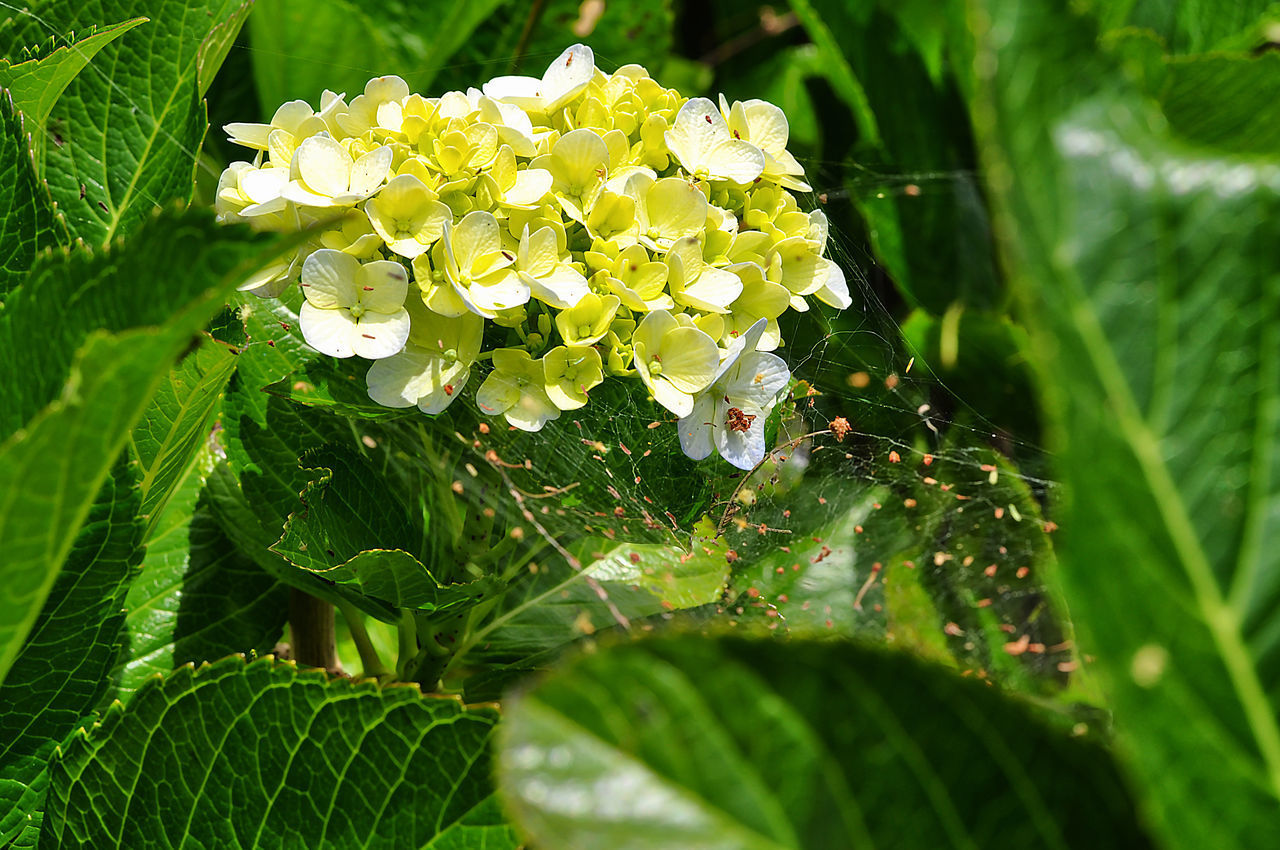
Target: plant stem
(369,658)
(311,629)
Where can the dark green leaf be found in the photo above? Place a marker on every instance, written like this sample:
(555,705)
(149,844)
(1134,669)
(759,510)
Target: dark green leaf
(198,597)
(61,673)
(1225,102)
(925,214)
(1193,26)
(303,47)
(1151,272)
(82,336)
(689,742)
(261,755)
(352,531)
(254,493)
(28,222)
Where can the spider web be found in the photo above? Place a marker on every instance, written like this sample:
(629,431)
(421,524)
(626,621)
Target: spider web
(888,508)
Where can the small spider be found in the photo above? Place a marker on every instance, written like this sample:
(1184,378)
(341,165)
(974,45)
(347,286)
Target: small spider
(739,421)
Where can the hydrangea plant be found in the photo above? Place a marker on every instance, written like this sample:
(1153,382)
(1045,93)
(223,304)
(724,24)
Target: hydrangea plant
(566,229)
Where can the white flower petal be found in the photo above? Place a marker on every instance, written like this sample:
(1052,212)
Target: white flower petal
(736,160)
(761,377)
(324,165)
(379,335)
(696,429)
(369,171)
(567,76)
(327,331)
(329,279)
(518,91)
(743,449)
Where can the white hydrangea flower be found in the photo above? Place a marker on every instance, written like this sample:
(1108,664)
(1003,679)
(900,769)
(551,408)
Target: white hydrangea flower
(701,141)
(564,79)
(729,415)
(323,173)
(353,309)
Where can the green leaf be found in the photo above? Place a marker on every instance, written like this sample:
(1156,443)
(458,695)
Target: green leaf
(1151,272)
(353,531)
(1222,101)
(37,83)
(729,743)
(303,47)
(28,221)
(91,347)
(253,494)
(676,577)
(126,140)
(1193,26)
(197,597)
(61,673)
(262,755)
(177,423)
(398,578)
(217,44)
(925,214)
(336,386)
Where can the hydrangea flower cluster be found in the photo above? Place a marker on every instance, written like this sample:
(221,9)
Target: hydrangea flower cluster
(580,225)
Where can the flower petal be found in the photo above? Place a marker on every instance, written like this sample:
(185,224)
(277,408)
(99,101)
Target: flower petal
(369,171)
(500,291)
(327,331)
(736,160)
(324,165)
(475,236)
(678,402)
(398,381)
(329,279)
(384,286)
(562,288)
(379,335)
(530,187)
(689,358)
(835,291)
(713,291)
(743,449)
(761,377)
(497,394)
(567,76)
(697,128)
(696,429)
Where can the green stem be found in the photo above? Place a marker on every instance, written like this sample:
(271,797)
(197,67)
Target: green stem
(369,658)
